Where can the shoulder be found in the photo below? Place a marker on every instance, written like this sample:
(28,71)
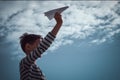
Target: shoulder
(21,61)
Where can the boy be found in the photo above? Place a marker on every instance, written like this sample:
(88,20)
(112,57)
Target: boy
(33,46)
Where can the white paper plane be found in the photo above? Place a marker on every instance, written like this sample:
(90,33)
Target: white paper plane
(50,14)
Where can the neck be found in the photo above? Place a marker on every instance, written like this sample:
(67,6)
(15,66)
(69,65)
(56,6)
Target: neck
(27,53)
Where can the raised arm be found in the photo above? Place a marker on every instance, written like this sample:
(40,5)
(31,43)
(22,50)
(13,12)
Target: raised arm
(58,25)
(44,44)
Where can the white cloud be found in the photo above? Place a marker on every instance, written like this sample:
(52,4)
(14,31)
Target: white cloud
(98,41)
(112,33)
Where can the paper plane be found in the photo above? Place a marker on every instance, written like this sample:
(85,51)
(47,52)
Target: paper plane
(50,14)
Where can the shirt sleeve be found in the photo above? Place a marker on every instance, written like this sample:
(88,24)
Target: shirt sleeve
(43,46)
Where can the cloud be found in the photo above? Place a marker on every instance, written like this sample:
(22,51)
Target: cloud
(14,14)
(94,21)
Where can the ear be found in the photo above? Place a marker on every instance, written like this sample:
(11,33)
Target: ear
(27,47)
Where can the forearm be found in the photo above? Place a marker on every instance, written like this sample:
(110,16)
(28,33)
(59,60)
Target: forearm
(56,28)
(58,25)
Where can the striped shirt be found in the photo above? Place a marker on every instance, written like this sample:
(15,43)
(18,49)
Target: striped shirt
(28,69)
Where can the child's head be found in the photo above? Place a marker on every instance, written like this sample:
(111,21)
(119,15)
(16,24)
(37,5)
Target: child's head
(29,42)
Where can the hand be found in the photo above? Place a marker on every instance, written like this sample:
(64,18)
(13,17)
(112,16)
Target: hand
(58,18)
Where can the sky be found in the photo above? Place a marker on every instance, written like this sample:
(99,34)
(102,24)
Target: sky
(87,46)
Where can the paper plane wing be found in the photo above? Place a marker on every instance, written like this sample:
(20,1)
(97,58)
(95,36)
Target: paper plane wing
(50,14)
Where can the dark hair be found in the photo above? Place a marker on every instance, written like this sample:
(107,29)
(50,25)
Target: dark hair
(28,38)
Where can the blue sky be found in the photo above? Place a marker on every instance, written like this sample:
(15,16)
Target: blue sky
(87,46)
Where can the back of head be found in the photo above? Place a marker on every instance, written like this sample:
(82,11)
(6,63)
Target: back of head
(28,38)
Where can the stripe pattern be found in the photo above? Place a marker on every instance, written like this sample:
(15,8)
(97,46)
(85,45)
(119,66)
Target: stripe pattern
(28,69)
